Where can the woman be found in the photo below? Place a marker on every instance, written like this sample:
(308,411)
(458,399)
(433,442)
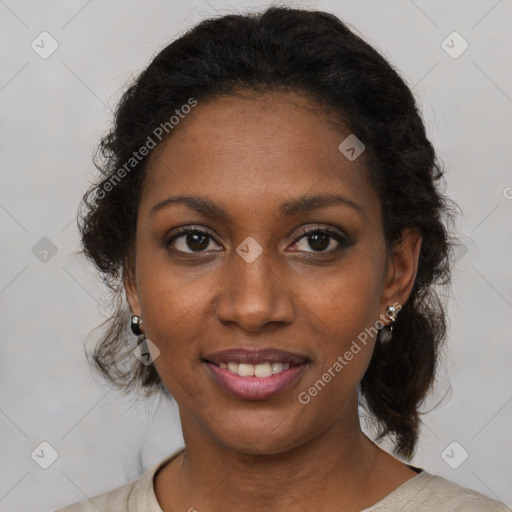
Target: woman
(269,210)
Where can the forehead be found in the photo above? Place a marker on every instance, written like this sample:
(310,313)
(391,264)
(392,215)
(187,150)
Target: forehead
(270,146)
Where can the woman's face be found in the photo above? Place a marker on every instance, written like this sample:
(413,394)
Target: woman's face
(256,280)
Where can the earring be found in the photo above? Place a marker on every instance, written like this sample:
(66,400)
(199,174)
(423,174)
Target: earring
(135,325)
(386,334)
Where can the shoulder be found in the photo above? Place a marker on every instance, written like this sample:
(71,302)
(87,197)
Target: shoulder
(116,499)
(457,498)
(427,492)
(135,496)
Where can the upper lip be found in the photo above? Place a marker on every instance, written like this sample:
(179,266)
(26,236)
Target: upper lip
(248,356)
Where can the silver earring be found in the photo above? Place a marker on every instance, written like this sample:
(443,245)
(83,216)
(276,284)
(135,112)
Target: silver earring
(386,333)
(135,325)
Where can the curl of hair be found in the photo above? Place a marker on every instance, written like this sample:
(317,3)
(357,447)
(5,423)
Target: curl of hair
(316,54)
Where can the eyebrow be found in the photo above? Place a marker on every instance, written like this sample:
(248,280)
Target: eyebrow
(288,208)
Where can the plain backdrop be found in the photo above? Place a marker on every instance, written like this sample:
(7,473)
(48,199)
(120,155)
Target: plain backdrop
(54,111)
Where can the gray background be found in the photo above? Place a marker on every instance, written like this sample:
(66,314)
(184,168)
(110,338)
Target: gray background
(54,111)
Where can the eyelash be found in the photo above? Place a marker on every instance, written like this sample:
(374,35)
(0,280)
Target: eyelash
(341,239)
(303,232)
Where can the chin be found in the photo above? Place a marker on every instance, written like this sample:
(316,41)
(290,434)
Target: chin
(254,434)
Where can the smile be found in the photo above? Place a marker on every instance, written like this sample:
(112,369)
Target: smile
(255,374)
(258,370)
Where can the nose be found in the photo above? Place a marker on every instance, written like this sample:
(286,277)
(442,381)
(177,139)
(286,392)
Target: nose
(254,295)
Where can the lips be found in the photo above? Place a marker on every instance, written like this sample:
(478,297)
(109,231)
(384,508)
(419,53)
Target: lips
(266,355)
(255,374)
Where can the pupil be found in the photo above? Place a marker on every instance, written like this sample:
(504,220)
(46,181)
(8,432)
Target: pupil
(193,238)
(317,241)
(323,244)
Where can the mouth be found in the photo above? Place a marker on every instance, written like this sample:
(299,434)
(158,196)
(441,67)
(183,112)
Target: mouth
(255,375)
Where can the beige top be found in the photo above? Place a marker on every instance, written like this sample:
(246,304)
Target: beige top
(421,493)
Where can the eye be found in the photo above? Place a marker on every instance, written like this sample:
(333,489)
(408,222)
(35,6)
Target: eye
(190,240)
(321,239)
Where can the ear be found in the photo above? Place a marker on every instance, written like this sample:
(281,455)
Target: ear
(402,266)
(130,287)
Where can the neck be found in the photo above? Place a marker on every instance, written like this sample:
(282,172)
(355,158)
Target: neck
(337,465)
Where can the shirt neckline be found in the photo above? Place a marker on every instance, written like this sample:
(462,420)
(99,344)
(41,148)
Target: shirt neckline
(402,494)
(143,495)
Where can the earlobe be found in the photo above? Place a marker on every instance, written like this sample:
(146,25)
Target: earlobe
(130,288)
(132,297)
(403,267)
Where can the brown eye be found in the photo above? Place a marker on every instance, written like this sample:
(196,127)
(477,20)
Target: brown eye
(322,240)
(190,240)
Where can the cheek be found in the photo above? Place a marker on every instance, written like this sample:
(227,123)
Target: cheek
(347,301)
(176,316)
(172,297)
(341,315)
(176,304)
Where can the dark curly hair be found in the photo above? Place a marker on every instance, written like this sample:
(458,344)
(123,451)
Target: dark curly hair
(317,55)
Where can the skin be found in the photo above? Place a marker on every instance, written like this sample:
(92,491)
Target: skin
(248,154)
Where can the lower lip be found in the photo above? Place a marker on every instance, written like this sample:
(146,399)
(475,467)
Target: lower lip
(255,388)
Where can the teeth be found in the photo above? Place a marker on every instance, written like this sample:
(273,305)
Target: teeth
(263,370)
(277,367)
(258,370)
(246,370)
